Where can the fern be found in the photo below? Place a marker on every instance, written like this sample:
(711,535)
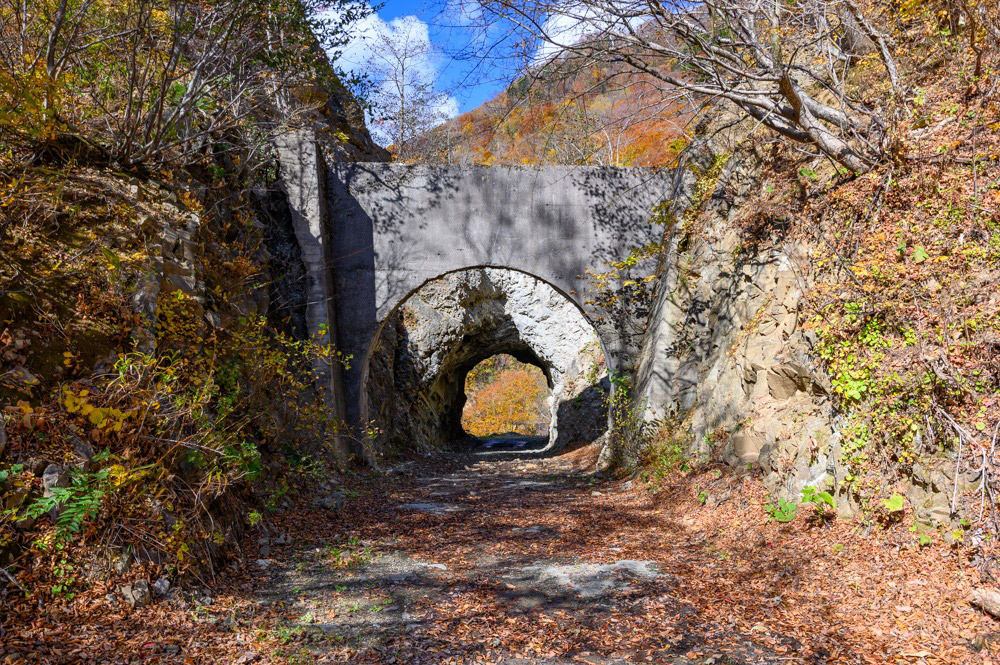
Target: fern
(78,504)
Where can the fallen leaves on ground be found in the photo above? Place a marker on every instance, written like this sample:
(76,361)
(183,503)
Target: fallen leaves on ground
(734,587)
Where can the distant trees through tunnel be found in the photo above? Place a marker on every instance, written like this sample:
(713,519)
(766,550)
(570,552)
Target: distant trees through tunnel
(506,396)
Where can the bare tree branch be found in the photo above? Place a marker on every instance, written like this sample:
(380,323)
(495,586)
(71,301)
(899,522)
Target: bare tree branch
(749,53)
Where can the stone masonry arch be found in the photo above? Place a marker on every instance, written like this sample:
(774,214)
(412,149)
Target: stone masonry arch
(426,346)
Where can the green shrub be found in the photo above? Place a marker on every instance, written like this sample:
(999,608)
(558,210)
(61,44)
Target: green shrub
(77,504)
(822,502)
(782,511)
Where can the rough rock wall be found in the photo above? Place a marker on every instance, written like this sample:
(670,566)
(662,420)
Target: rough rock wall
(415,379)
(726,355)
(725,351)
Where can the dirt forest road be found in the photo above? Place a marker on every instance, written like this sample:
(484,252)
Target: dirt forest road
(493,559)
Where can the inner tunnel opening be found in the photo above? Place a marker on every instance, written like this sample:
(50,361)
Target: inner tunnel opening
(423,388)
(507,403)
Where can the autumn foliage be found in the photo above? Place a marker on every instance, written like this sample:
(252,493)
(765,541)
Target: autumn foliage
(153,82)
(505,395)
(553,117)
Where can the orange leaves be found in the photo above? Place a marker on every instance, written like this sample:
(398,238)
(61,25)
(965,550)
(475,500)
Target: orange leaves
(566,119)
(511,399)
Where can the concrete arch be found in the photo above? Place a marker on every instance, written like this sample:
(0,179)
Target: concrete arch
(426,345)
(569,298)
(393,227)
(371,233)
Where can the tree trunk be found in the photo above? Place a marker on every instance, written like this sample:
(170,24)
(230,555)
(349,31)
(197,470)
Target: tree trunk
(832,145)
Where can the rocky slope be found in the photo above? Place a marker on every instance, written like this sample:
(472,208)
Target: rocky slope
(778,348)
(154,358)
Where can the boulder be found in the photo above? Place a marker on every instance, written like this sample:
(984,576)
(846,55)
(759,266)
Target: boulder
(929,506)
(332,501)
(780,386)
(123,562)
(161,586)
(784,380)
(742,448)
(54,476)
(987,600)
(84,453)
(137,594)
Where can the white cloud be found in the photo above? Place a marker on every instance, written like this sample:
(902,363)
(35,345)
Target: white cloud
(360,56)
(447,107)
(562,30)
(570,22)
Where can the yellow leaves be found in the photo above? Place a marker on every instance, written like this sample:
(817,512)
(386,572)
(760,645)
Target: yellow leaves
(102,418)
(506,399)
(11,195)
(119,475)
(70,401)
(96,416)
(27,378)
(25,407)
(190,201)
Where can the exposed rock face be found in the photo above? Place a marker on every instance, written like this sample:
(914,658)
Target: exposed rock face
(726,353)
(727,357)
(138,594)
(426,348)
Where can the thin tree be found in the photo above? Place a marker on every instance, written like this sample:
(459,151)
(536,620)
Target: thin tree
(405,102)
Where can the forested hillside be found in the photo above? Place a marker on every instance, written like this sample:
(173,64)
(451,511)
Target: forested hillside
(566,115)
